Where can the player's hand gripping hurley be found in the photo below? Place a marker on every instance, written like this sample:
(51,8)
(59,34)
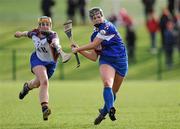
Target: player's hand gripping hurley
(68,31)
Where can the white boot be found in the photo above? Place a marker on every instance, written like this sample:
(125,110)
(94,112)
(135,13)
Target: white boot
(65,56)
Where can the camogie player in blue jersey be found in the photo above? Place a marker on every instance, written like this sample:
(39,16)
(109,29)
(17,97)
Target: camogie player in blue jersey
(43,60)
(106,44)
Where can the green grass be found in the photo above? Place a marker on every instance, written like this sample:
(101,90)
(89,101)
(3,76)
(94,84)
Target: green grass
(74,104)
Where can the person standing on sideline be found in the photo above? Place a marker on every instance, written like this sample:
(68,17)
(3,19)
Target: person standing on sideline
(106,44)
(43,60)
(148,6)
(171,5)
(169,36)
(46,6)
(177,31)
(164,18)
(71,10)
(82,10)
(127,21)
(152,25)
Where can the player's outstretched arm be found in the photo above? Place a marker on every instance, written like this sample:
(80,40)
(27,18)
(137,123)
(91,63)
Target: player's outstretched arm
(20,34)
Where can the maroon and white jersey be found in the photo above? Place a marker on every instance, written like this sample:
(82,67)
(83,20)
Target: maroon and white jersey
(44,51)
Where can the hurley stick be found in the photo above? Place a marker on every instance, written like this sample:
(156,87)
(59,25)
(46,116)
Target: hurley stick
(68,31)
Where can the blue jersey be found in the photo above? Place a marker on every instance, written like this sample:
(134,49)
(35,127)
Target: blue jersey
(112,44)
(112,50)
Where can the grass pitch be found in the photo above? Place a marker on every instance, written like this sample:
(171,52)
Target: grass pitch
(74,104)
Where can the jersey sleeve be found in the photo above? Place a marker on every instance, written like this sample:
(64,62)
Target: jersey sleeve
(32,33)
(56,41)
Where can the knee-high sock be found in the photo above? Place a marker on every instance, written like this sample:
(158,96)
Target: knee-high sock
(104,110)
(108,98)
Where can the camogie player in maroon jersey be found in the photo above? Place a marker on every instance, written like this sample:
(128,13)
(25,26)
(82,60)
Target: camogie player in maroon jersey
(43,60)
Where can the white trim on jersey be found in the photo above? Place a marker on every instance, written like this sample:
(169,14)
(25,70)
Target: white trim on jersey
(105,37)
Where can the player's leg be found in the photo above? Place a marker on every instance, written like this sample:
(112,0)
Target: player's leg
(41,73)
(116,85)
(34,83)
(107,74)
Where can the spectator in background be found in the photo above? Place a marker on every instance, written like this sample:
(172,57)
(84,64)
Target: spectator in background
(113,19)
(73,6)
(177,6)
(164,18)
(171,6)
(169,43)
(46,6)
(152,26)
(71,9)
(174,6)
(177,31)
(82,10)
(127,21)
(148,6)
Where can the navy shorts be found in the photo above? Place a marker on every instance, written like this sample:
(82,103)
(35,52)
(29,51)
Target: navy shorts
(50,66)
(119,64)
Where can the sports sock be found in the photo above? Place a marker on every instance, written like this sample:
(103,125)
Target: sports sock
(26,88)
(104,110)
(108,98)
(44,106)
